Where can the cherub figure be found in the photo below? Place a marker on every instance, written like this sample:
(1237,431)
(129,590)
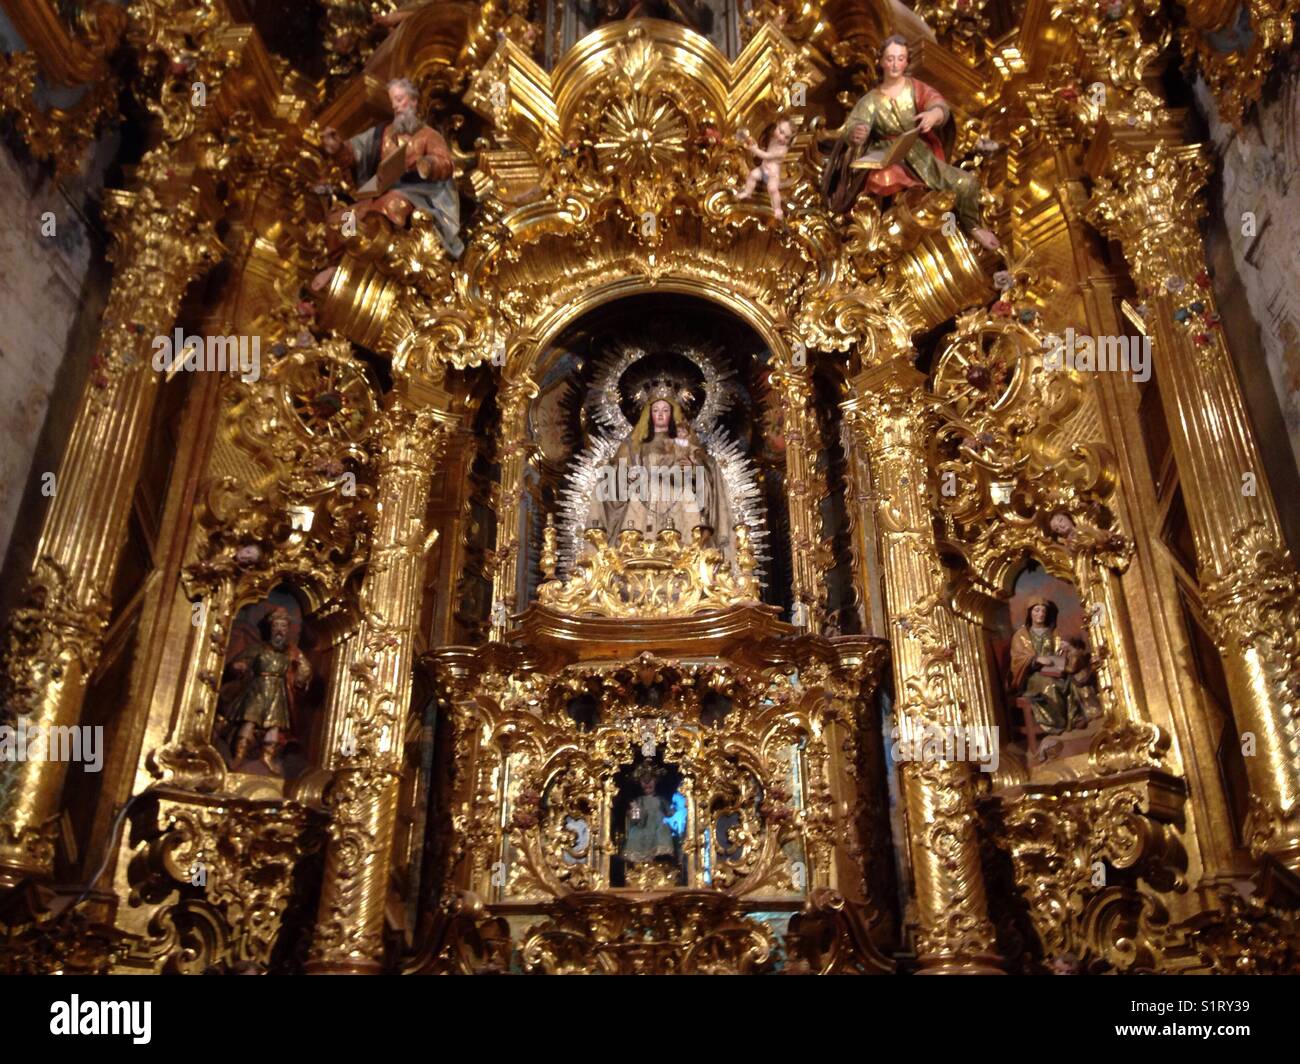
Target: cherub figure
(1080,536)
(1084,540)
(778,145)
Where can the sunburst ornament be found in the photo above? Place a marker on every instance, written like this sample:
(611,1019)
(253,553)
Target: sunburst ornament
(640,135)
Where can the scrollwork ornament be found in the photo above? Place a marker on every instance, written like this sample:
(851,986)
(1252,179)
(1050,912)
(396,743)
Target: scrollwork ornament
(1095,864)
(228,866)
(1236,76)
(57,136)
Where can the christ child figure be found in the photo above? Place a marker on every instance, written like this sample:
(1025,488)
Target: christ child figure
(683,439)
(778,145)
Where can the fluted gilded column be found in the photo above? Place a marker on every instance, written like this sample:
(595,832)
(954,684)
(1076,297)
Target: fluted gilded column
(512,401)
(160,244)
(363,797)
(1150,202)
(974,678)
(886,410)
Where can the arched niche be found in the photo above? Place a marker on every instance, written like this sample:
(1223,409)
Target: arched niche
(1051,712)
(586,379)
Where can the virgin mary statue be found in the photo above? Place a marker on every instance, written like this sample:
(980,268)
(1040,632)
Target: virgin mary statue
(662,477)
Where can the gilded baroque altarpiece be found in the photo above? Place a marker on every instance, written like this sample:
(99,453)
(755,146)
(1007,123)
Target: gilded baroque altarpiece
(394,701)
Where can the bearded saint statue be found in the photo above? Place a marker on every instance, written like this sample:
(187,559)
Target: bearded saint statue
(425,186)
(663,477)
(274,674)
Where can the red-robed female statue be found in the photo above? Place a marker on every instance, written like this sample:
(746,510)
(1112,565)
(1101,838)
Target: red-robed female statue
(895,106)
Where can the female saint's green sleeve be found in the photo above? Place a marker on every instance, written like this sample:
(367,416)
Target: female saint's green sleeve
(864,112)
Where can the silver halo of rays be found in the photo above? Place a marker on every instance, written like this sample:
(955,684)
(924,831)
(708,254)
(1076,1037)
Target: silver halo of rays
(739,472)
(746,493)
(575,499)
(602,403)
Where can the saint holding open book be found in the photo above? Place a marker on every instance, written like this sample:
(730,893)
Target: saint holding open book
(402,169)
(889,144)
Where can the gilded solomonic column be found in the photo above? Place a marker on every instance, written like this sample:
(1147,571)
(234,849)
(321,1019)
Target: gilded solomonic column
(955,936)
(363,797)
(160,243)
(1150,202)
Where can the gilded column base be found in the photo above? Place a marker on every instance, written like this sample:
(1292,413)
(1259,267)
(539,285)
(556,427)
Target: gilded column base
(955,936)
(349,930)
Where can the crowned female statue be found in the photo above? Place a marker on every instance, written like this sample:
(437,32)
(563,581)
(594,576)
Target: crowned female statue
(663,477)
(1042,664)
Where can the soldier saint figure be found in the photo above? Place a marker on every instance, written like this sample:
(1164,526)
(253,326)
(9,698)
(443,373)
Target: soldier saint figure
(275,670)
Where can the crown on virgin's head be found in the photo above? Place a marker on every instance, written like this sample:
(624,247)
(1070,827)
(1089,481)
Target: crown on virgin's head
(662,388)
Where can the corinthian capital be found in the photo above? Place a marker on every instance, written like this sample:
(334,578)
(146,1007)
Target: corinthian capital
(1150,202)
(412,438)
(884,407)
(160,242)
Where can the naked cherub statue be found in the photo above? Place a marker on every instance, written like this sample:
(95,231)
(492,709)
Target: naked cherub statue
(778,145)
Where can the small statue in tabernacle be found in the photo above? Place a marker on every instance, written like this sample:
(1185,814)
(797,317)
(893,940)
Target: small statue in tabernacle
(769,169)
(646,832)
(422,186)
(897,106)
(274,672)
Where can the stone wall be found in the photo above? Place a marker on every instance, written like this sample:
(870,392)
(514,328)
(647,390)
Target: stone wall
(53,279)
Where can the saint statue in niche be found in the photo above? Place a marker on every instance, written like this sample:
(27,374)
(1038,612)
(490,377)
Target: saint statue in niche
(271,677)
(662,477)
(900,107)
(646,833)
(1050,673)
